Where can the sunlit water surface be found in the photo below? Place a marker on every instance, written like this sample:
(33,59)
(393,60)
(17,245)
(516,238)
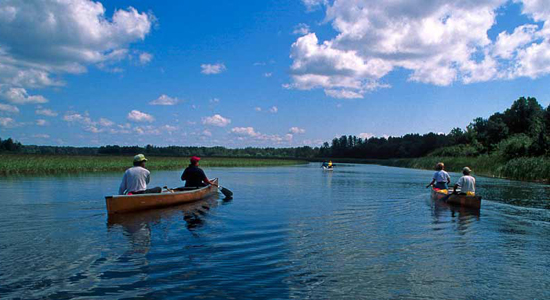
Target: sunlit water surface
(361,231)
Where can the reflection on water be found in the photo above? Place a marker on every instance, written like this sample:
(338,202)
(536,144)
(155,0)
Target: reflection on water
(462,216)
(359,231)
(137,226)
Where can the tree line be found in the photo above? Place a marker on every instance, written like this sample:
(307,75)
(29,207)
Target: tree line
(521,130)
(304,152)
(10,145)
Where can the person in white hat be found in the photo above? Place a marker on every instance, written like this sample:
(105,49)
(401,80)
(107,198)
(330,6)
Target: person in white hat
(136,178)
(466,183)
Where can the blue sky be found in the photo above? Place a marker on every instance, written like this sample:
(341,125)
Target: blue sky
(262,73)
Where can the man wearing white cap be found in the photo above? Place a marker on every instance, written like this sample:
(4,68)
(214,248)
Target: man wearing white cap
(466,183)
(136,178)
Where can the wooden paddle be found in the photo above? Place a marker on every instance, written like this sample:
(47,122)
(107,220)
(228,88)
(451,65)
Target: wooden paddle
(227,193)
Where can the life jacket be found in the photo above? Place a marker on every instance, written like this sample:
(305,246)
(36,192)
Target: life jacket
(441,191)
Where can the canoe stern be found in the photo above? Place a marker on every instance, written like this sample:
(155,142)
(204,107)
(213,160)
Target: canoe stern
(457,199)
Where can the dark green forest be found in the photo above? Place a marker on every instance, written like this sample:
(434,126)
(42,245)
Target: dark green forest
(522,130)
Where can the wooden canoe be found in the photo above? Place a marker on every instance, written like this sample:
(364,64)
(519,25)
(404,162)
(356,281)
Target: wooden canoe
(461,200)
(129,203)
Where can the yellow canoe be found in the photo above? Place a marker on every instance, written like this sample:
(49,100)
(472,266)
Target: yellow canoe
(456,199)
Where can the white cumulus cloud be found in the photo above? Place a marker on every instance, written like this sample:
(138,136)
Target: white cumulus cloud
(106,122)
(366,135)
(216,120)
(46,112)
(42,122)
(40,39)
(145,58)
(138,116)
(83,119)
(207,133)
(343,94)
(9,108)
(7,122)
(251,135)
(313,4)
(78,118)
(20,96)
(506,44)
(165,100)
(301,29)
(244,131)
(210,69)
(169,128)
(438,42)
(147,130)
(296,130)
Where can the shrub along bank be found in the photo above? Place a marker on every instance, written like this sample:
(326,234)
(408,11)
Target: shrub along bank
(522,168)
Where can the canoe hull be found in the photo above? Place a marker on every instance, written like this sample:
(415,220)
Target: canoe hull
(460,200)
(130,203)
(327,168)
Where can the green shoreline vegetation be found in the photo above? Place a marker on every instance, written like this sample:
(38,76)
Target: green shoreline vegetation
(536,169)
(514,144)
(28,164)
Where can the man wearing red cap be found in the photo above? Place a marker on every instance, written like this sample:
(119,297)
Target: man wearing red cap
(193,175)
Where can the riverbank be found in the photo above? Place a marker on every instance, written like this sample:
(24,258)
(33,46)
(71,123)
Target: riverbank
(526,168)
(535,169)
(22,164)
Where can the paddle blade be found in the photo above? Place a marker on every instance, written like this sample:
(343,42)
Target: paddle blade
(227,193)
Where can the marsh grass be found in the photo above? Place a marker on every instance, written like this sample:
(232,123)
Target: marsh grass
(524,168)
(527,168)
(20,164)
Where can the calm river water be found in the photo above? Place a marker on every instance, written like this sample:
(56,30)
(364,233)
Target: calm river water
(362,231)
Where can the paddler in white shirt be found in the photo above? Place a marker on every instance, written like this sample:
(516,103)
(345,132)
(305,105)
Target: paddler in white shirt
(136,178)
(441,178)
(466,183)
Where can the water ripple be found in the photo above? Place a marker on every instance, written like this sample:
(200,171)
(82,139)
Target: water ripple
(292,232)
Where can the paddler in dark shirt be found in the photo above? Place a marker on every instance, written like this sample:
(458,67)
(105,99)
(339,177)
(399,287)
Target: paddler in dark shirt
(193,175)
